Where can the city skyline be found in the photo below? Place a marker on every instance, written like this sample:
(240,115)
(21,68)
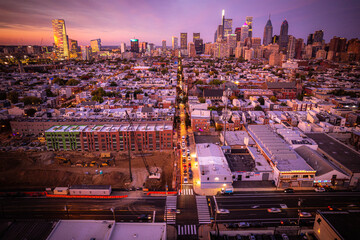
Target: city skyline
(160,20)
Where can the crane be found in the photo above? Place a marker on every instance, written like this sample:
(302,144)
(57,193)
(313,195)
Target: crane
(155,175)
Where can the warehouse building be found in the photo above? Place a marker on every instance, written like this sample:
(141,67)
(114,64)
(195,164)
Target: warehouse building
(146,136)
(290,170)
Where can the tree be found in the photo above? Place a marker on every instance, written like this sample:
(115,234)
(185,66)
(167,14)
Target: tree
(72,82)
(219,128)
(113,84)
(13,97)
(49,93)
(261,100)
(201,100)
(97,99)
(283,104)
(300,97)
(258,108)
(31,100)
(30,112)
(2,95)
(58,81)
(273,99)
(98,92)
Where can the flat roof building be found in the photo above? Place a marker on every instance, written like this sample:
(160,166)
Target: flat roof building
(213,168)
(341,155)
(289,168)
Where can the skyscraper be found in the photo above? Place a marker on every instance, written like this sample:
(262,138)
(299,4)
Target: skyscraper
(268,32)
(248,21)
(310,39)
(134,45)
(291,47)
(95,45)
(196,36)
(299,47)
(227,27)
(244,32)
(284,37)
(238,34)
(85,52)
(318,36)
(199,46)
(174,41)
(60,38)
(122,47)
(163,45)
(183,40)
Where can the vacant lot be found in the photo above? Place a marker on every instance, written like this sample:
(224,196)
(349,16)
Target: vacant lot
(43,169)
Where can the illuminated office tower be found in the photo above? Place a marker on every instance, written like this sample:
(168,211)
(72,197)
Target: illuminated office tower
(268,32)
(227,27)
(163,45)
(183,40)
(318,36)
(284,37)
(174,41)
(134,45)
(123,47)
(60,38)
(249,21)
(143,47)
(196,36)
(244,32)
(95,45)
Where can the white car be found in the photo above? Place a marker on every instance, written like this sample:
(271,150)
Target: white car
(305,214)
(320,189)
(189,158)
(184,154)
(223,211)
(274,210)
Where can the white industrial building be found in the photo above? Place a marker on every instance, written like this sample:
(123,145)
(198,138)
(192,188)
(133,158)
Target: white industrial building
(290,170)
(107,230)
(213,168)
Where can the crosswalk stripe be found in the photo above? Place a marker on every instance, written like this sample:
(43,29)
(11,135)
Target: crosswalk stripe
(186,230)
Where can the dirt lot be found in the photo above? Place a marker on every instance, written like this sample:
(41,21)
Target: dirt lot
(41,169)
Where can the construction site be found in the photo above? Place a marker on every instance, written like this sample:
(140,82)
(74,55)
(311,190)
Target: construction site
(39,170)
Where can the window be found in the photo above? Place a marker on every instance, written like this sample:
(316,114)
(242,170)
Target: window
(224,178)
(208,179)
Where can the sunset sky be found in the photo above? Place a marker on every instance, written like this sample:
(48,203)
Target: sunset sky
(116,21)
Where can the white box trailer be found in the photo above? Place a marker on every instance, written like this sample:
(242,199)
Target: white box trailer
(95,190)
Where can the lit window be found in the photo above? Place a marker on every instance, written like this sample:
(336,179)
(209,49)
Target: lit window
(216,179)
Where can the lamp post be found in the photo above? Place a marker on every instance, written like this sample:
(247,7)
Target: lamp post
(113,211)
(299,211)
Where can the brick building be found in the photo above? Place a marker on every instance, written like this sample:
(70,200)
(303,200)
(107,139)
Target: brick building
(151,136)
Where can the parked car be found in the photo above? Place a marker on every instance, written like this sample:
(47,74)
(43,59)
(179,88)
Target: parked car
(144,217)
(244,224)
(319,189)
(289,190)
(274,210)
(222,211)
(231,225)
(185,180)
(305,214)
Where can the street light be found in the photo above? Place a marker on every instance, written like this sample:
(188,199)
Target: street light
(113,211)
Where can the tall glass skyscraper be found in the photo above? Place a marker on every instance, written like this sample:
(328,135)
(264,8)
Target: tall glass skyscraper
(60,38)
(249,21)
(95,45)
(268,32)
(284,37)
(174,41)
(183,40)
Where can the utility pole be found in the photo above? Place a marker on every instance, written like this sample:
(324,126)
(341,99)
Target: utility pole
(226,95)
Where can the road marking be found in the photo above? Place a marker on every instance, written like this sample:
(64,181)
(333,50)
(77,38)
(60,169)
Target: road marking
(186,230)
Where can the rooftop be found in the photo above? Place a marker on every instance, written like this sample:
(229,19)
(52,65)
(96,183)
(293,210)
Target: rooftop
(341,153)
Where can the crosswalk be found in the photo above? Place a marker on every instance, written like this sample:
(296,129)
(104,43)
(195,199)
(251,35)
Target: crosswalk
(186,230)
(203,210)
(186,191)
(170,209)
